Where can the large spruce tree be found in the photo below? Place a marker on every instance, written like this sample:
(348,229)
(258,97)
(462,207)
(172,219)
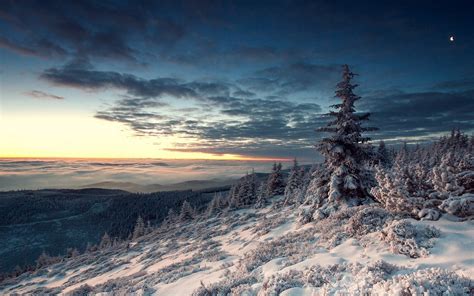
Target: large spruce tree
(345,150)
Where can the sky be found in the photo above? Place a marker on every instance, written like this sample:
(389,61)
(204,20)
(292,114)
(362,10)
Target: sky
(226,79)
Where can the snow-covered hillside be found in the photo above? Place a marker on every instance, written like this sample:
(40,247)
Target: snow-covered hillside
(266,252)
(366,222)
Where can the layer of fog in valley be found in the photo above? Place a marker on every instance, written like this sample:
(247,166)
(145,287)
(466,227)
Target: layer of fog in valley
(135,175)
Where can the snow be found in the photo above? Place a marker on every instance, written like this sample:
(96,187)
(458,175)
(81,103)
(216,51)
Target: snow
(299,292)
(177,264)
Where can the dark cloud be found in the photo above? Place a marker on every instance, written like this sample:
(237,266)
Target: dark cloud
(465,83)
(89,79)
(40,48)
(113,30)
(43,95)
(208,54)
(422,114)
(297,77)
(243,93)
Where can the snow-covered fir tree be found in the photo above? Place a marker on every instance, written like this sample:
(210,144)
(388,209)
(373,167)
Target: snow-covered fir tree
(244,193)
(44,260)
(345,151)
(232,196)
(187,212)
(261,195)
(170,218)
(383,154)
(276,182)
(72,252)
(248,190)
(216,206)
(105,242)
(294,184)
(139,229)
(444,178)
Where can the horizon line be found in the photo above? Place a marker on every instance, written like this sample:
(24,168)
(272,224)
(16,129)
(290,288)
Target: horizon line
(236,158)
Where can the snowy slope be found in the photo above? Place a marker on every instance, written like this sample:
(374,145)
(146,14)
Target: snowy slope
(266,252)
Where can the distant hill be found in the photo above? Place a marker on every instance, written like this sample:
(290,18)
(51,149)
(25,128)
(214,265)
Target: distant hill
(186,185)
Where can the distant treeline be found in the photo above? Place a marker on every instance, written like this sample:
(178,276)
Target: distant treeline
(36,221)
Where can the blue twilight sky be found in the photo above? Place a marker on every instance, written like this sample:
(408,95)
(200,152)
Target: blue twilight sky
(203,79)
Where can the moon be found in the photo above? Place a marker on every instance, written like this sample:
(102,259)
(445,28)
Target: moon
(451,38)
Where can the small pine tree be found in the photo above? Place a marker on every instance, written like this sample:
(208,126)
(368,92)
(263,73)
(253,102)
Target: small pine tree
(214,206)
(233,196)
(148,228)
(261,195)
(187,212)
(383,155)
(18,270)
(139,229)
(43,260)
(305,177)
(72,252)
(294,184)
(444,177)
(275,183)
(90,247)
(105,242)
(170,218)
(244,192)
(248,190)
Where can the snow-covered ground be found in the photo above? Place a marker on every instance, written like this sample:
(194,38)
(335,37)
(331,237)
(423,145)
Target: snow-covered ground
(265,252)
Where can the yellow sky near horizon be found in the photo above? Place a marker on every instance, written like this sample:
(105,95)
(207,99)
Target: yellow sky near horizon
(77,136)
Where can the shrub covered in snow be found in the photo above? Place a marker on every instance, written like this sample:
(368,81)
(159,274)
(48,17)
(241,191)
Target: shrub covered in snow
(351,278)
(279,283)
(461,206)
(286,246)
(351,222)
(378,278)
(268,223)
(233,283)
(367,220)
(430,281)
(411,240)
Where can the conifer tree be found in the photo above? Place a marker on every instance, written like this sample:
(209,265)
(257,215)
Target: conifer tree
(261,195)
(233,195)
(170,218)
(187,212)
(43,260)
(383,155)
(72,252)
(216,205)
(105,242)
(139,229)
(294,184)
(276,183)
(248,190)
(345,151)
